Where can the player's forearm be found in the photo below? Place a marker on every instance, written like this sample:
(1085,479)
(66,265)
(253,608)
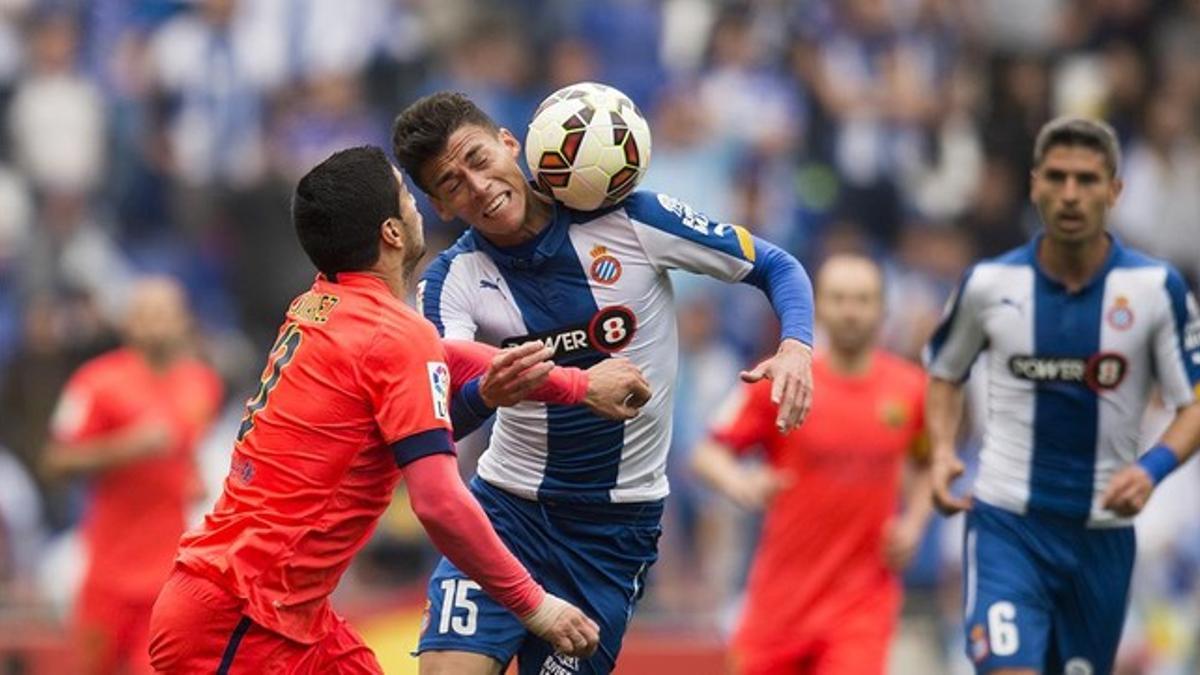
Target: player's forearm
(458,527)
(918,493)
(80,459)
(788,287)
(1181,439)
(716,467)
(943,414)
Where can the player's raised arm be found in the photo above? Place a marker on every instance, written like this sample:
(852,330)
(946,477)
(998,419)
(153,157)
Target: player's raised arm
(1177,370)
(674,235)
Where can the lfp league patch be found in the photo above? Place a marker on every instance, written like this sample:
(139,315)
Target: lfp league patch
(439,387)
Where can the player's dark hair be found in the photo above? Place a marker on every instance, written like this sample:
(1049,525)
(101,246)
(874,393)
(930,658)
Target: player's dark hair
(339,206)
(1079,131)
(421,130)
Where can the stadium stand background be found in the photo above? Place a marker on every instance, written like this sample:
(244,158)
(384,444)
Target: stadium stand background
(151,135)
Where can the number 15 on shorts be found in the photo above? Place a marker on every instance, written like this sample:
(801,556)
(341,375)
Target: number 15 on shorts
(459,613)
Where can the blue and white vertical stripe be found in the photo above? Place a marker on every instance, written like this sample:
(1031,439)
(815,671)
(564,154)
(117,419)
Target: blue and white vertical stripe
(1069,374)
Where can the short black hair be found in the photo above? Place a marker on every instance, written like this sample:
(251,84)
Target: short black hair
(1079,131)
(339,205)
(421,130)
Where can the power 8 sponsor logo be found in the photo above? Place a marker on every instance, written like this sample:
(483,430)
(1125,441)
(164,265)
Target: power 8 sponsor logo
(1102,371)
(610,329)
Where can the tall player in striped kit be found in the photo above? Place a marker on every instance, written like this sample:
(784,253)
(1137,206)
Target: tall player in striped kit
(1077,329)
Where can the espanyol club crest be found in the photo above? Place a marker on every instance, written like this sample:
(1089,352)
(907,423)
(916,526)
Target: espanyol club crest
(605,269)
(1120,315)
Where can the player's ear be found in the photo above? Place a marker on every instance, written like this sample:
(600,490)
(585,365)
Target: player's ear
(510,143)
(1117,186)
(391,233)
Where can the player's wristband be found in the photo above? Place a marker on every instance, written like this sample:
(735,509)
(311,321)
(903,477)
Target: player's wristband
(1159,461)
(467,409)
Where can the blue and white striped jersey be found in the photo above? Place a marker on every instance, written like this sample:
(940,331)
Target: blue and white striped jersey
(1069,374)
(593,284)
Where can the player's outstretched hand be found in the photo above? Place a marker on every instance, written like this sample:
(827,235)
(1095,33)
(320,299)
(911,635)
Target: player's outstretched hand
(617,389)
(790,373)
(1128,491)
(514,373)
(945,469)
(566,628)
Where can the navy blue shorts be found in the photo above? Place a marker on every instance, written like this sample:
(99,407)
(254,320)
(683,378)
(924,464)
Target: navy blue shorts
(1044,593)
(594,556)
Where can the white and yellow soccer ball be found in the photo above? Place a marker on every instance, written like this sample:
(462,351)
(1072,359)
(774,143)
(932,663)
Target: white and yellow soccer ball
(588,146)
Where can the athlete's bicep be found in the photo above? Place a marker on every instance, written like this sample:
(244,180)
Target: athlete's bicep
(408,385)
(1177,344)
(959,336)
(79,414)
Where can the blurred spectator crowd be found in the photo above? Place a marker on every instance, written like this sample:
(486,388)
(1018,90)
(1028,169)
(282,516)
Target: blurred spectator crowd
(165,136)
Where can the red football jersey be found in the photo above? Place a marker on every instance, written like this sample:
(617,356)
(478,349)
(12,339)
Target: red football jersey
(820,561)
(356,382)
(137,511)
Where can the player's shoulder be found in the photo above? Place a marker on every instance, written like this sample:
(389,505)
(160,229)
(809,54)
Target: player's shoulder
(400,329)
(1128,258)
(657,209)
(900,371)
(439,268)
(111,366)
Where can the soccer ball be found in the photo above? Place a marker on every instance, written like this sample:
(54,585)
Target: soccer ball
(588,146)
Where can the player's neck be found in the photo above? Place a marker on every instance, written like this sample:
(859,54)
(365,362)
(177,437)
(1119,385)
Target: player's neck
(159,360)
(849,363)
(1073,264)
(537,218)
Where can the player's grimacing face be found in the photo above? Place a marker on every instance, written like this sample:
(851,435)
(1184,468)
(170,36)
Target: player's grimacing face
(1073,191)
(477,179)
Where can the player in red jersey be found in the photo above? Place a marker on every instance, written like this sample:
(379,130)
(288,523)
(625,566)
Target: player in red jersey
(356,394)
(129,420)
(824,594)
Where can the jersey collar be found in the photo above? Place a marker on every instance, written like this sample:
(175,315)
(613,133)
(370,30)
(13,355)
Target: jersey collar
(532,254)
(1114,251)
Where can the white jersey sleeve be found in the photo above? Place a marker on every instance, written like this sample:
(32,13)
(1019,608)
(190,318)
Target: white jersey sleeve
(1177,344)
(445,295)
(675,236)
(960,336)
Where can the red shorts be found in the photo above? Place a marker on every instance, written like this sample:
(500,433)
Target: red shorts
(857,647)
(110,633)
(197,627)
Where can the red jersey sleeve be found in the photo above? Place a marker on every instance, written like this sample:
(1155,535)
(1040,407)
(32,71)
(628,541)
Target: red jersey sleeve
(747,418)
(408,384)
(80,413)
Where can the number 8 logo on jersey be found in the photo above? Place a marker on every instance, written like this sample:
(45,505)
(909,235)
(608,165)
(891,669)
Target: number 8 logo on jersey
(612,328)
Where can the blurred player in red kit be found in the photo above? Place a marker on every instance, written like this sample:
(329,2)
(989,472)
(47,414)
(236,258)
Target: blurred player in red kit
(129,420)
(824,593)
(358,392)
